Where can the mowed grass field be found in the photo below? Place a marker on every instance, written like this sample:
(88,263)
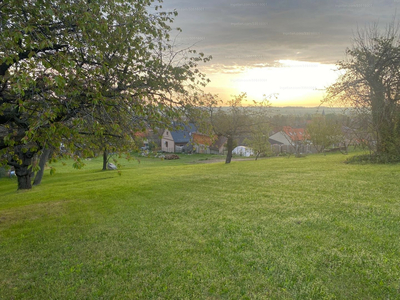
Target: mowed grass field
(279,228)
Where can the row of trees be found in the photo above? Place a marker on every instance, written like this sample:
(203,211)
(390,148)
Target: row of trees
(252,125)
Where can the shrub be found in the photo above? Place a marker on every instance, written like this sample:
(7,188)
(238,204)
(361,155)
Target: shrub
(3,172)
(373,159)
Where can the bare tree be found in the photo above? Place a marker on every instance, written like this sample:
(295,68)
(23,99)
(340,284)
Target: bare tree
(371,84)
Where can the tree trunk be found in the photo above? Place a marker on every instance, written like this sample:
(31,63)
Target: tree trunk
(297,150)
(230,148)
(24,180)
(42,162)
(378,118)
(105,159)
(23,168)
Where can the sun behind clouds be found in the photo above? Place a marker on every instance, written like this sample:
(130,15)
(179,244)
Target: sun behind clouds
(297,83)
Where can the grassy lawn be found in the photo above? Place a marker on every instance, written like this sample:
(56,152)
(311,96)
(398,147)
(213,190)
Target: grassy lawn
(279,228)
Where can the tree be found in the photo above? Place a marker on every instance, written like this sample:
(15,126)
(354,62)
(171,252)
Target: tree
(323,133)
(236,120)
(109,146)
(100,140)
(43,158)
(360,131)
(371,84)
(259,138)
(71,69)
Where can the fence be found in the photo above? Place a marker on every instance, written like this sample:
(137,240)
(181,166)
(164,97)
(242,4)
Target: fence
(276,149)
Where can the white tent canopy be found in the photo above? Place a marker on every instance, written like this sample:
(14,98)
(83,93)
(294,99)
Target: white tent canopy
(243,151)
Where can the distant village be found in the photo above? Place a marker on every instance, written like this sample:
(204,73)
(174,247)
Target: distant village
(289,134)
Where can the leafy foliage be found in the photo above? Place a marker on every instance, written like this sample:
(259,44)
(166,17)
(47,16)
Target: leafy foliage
(323,132)
(374,159)
(73,69)
(237,118)
(259,138)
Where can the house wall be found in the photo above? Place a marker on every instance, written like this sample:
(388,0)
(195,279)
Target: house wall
(179,147)
(169,145)
(280,137)
(201,149)
(219,150)
(205,149)
(167,142)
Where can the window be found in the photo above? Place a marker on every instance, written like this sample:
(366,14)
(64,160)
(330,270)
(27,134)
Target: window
(166,144)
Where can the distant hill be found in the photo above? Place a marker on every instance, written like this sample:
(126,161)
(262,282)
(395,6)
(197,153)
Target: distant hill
(299,110)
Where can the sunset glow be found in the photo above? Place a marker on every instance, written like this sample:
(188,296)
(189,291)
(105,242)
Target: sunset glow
(295,83)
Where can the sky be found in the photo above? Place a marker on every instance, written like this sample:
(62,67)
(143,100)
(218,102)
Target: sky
(285,47)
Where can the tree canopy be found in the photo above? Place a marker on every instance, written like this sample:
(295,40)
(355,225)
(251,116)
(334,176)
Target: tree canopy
(258,138)
(323,132)
(69,69)
(237,119)
(371,84)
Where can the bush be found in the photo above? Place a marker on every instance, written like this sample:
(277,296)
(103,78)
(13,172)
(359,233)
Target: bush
(3,172)
(171,156)
(373,159)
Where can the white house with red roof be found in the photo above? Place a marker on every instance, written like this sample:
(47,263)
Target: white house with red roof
(288,136)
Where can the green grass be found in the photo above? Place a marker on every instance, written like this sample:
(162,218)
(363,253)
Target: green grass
(279,228)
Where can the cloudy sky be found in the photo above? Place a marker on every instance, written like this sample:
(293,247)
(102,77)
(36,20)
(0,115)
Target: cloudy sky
(288,47)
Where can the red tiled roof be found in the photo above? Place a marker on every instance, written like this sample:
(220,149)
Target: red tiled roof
(296,134)
(140,134)
(201,139)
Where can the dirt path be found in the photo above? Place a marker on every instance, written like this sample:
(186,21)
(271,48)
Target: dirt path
(218,160)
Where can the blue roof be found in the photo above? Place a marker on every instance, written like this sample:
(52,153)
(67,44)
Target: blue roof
(183,135)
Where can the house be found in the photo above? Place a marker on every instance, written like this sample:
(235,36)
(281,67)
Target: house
(290,140)
(175,140)
(288,136)
(219,145)
(205,144)
(187,139)
(201,143)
